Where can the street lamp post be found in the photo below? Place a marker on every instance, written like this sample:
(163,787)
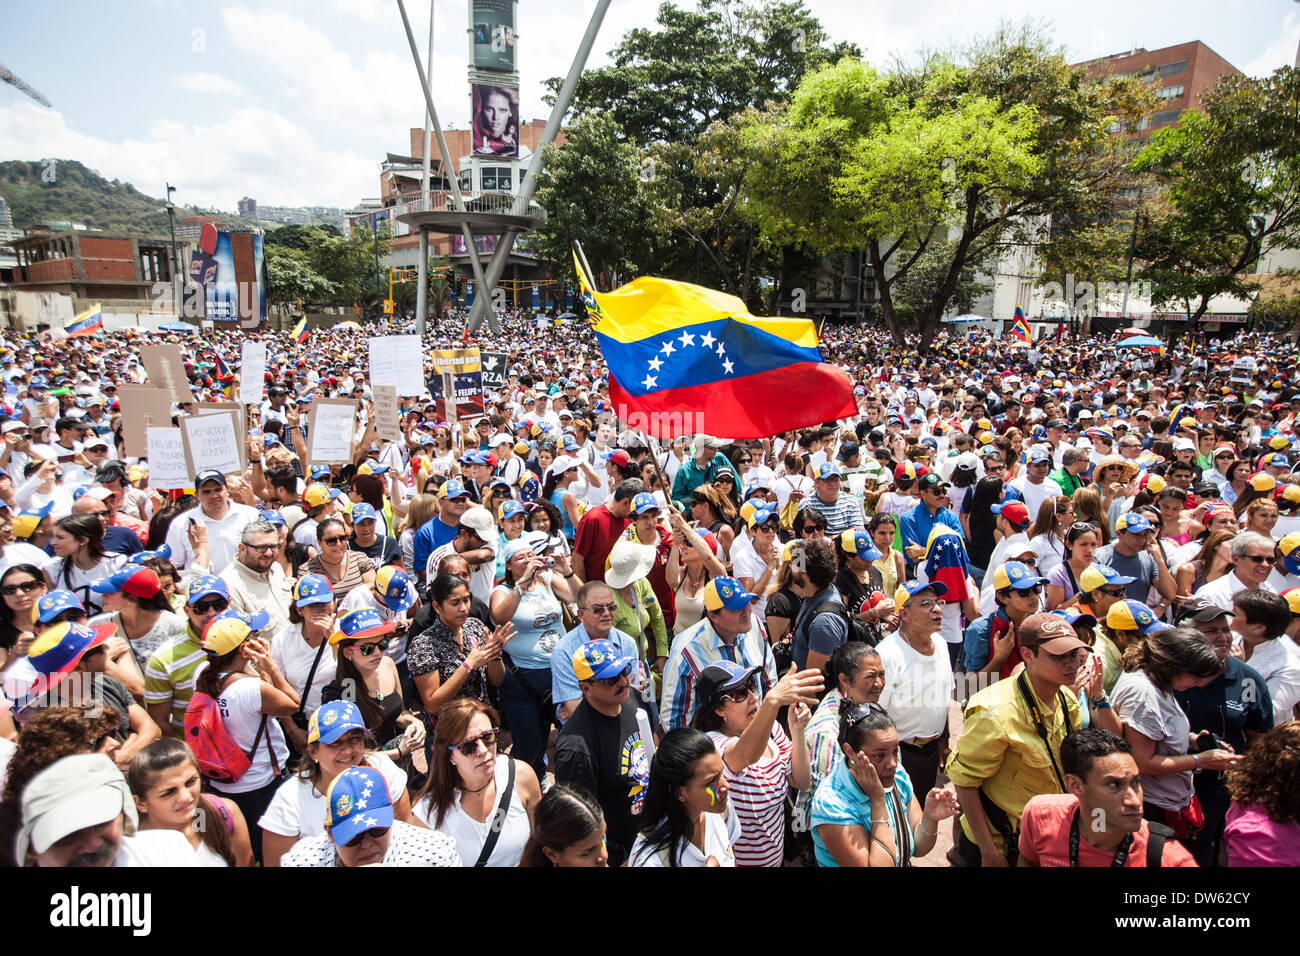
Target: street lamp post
(171,221)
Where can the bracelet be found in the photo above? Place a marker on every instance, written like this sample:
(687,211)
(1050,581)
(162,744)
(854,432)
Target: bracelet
(1100,703)
(571,574)
(465,664)
(923,826)
(1197,758)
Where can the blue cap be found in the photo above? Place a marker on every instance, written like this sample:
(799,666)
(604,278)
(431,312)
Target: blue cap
(913,588)
(1039,455)
(644,502)
(140,557)
(597,660)
(319,471)
(853,541)
(570,443)
(1076,618)
(509,509)
(38,381)
(726,593)
(763,515)
(363,512)
(312,589)
(55,603)
(1132,522)
(254,622)
(394,588)
(362,623)
(357,801)
(205,585)
(331,721)
(271,516)
(1013,574)
(453,488)
(828,469)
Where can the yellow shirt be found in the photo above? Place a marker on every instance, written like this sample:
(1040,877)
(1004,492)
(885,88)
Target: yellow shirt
(1000,750)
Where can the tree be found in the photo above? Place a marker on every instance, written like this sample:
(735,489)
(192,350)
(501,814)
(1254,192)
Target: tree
(1230,179)
(591,189)
(290,278)
(348,262)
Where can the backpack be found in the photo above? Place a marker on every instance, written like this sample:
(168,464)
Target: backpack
(858,630)
(218,756)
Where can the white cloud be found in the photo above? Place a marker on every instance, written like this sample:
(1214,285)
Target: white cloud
(1281,51)
(213,83)
(253,152)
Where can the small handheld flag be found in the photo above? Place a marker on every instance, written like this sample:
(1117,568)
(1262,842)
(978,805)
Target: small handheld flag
(300,331)
(1019,327)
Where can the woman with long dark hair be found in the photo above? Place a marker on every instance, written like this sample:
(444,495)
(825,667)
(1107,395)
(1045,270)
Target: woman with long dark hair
(568,830)
(711,510)
(21,587)
(1080,543)
(80,559)
(165,781)
(687,817)
(982,521)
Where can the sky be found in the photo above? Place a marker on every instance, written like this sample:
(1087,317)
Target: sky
(296,103)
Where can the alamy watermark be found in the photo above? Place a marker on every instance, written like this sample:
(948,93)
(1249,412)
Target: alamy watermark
(1089,299)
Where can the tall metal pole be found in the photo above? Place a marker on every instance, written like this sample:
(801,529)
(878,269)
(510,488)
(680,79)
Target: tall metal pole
(457,199)
(422,280)
(526,189)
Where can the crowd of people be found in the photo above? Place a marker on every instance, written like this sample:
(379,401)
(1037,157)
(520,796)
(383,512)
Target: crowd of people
(1039,604)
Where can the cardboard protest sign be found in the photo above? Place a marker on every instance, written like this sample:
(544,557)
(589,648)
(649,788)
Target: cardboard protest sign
(388,421)
(252,372)
(459,378)
(495,365)
(168,466)
(398,360)
(213,441)
(142,406)
(331,431)
(166,367)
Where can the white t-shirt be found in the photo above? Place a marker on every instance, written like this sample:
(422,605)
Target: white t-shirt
(918,688)
(721,831)
(298,808)
(1280,669)
(471,834)
(293,656)
(1034,495)
(223,535)
(20,552)
(154,848)
(241,708)
(78,581)
(783,485)
(745,563)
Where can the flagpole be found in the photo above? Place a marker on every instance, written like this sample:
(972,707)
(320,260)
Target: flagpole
(586,266)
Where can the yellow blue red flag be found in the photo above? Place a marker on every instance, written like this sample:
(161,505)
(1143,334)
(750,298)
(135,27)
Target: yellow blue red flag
(1020,327)
(676,350)
(300,331)
(86,323)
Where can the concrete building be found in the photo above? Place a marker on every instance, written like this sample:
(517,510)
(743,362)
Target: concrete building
(91,265)
(248,207)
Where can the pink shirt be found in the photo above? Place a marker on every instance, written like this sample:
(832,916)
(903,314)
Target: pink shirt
(1045,837)
(1254,839)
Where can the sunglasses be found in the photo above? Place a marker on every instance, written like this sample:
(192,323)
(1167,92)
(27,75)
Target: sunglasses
(1113,592)
(808,528)
(470,747)
(371,646)
(624,674)
(739,695)
(1036,590)
(603,609)
(336,539)
(207,607)
(27,587)
(1258,558)
(375,834)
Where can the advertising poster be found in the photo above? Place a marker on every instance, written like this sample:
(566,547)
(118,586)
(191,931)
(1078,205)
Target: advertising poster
(495,113)
(493,26)
(457,377)
(230,269)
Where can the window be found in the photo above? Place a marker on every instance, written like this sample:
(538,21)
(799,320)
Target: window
(1171,92)
(1172,69)
(1164,116)
(496,178)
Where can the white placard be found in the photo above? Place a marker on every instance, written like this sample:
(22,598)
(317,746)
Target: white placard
(252,372)
(388,417)
(398,360)
(331,430)
(168,468)
(212,442)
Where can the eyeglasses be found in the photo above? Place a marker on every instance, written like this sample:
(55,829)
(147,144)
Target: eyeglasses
(376,834)
(624,674)
(603,609)
(336,539)
(370,647)
(470,747)
(27,587)
(924,604)
(263,548)
(739,695)
(210,607)
(1034,591)
(1258,558)
(1113,592)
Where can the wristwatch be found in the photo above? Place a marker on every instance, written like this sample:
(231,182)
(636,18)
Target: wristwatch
(1100,703)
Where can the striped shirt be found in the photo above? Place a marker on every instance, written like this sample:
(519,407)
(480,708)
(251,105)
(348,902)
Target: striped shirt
(758,796)
(843,513)
(697,648)
(169,676)
(822,736)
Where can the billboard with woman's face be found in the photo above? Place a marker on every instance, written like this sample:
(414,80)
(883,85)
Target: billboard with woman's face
(496,120)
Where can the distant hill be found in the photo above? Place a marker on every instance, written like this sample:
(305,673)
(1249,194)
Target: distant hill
(79,194)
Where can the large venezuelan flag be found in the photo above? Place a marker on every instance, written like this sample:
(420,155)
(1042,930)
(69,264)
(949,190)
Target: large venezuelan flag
(86,323)
(690,359)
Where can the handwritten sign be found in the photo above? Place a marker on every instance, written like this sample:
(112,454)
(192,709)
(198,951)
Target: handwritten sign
(212,441)
(168,467)
(387,414)
(166,368)
(397,360)
(142,406)
(241,422)
(331,430)
(252,372)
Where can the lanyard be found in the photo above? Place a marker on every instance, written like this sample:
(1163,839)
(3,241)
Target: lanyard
(1121,854)
(1023,683)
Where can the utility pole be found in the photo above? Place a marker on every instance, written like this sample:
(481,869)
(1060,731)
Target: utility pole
(171,221)
(422,280)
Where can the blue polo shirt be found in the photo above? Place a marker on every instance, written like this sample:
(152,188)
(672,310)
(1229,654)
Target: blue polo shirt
(840,802)
(917,524)
(430,536)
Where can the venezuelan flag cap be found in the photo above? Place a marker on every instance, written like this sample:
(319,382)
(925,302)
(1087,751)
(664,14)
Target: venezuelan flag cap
(362,623)
(1290,548)
(1076,618)
(229,629)
(1100,576)
(1132,522)
(1133,616)
(1013,574)
(597,660)
(394,588)
(1292,596)
(312,589)
(1263,482)
(909,589)
(56,653)
(726,593)
(357,801)
(331,721)
(55,603)
(857,541)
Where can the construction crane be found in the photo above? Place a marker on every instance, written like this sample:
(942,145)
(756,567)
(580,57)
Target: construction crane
(12,80)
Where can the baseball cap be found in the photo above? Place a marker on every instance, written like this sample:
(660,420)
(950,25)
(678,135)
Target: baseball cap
(847,450)
(331,721)
(1199,611)
(828,469)
(932,482)
(363,512)
(229,629)
(1075,618)
(479,520)
(394,587)
(1048,632)
(1013,511)
(644,502)
(1263,482)
(1038,456)
(134,580)
(1292,596)
(55,603)
(357,800)
(207,584)
(372,468)
(315,495)
(722,676)
(618,456)
(210,474)
(907,472)
(1100,576)
(453,488)
(597,660)
(28,520)
(1133,616)
(726,593)
(316,472)
(362,623)
(909,589)
(1288,492)
(1013,574)
(71,794)
(855,541)
(509,509)
(312,589)
(55,654)
(1132,522)
(271,516)
(1290,548)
